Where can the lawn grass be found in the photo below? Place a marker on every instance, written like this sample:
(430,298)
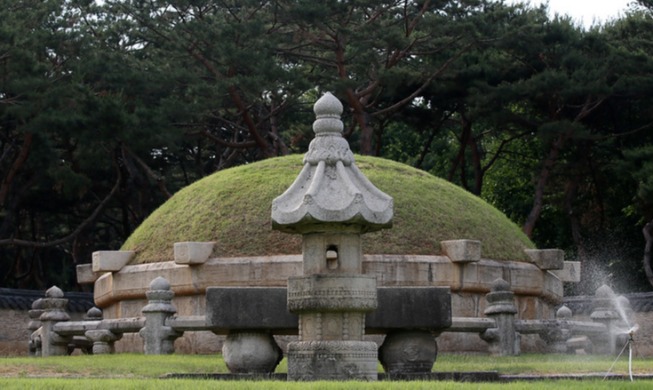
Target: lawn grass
(136,371)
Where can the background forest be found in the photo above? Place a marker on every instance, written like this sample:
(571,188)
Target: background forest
(108,108)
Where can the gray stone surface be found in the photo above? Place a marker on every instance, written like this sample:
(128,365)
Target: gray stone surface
(251,353)
(249,308)
(411,308)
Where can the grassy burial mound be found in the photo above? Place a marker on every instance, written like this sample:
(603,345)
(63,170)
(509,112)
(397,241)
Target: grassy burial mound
(232,207)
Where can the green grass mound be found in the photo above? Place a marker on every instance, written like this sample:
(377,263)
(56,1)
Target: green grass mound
(232,208)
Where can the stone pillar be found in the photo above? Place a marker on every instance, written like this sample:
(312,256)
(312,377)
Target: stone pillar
(503,339)
(605,311)
(331,203)
(158,338)
(34,346)
(558,331)
(54,305)
(103,341)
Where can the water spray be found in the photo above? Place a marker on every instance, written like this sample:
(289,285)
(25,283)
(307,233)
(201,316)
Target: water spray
(629,344)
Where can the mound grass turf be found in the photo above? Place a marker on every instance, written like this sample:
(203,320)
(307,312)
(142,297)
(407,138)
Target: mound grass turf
(232,207)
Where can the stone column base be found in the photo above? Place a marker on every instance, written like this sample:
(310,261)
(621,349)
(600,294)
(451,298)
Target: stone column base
(332,360)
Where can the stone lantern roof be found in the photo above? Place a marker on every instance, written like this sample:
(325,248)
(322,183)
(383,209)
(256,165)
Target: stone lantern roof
(330,189)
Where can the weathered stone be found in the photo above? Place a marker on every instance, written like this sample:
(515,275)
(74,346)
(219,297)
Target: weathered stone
(85,274)
(570,272)
(462,251)
(332,293)
(547,259)
(193,252)
(251,352)
(503,338)
(330,189)
(408,352)
(332,360)
(111,261)
(159,338)
(249,308)
(411,308)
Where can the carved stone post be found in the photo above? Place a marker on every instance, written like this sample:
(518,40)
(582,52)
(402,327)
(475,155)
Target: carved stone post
(558,331)
(503,339)
(54,305)
(331,203)
(102,339)
(605,311)
(158,338)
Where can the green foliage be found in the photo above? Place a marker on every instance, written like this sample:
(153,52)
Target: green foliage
(108,108)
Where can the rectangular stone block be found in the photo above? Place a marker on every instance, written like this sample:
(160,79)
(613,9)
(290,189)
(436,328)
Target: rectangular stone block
(462,250)
(249,308)
(546,259)
(426,308)
(85,274)
(193,252)
(570,272)
(111,261)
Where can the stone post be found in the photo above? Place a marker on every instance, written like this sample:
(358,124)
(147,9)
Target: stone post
(331,203)
(605,311)
(53,305)
(559,331)
(158,338)
(503,339)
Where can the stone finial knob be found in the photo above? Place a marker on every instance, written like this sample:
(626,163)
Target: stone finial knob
(159,283)
(500,285)
(604,292)
(564,313)
(327,113)
(54,292)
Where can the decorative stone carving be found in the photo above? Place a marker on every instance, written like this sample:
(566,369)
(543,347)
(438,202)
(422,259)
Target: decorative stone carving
(158,338)
(330,188)
(503,338)
(53,305)
(331,203)
(408,352)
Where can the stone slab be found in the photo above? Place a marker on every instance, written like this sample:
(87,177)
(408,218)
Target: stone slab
(85,274)
(265,309)
(570,272)
(249,308)
(427,308)
(193,252)
(462,250)
(546,259)
(111,261)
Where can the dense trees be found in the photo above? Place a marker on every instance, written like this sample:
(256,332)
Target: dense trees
(107,109)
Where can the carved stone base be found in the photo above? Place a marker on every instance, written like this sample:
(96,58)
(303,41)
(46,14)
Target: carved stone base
(408,352)
(332,360)
(251,353)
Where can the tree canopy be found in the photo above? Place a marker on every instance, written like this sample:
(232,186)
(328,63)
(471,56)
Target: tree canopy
(108,108)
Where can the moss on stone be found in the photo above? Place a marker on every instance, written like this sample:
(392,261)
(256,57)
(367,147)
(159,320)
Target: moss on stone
(232,208)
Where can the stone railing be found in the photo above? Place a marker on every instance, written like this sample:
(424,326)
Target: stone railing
(411,319)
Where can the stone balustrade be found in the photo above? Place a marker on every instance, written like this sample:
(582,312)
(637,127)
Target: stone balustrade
(412,319)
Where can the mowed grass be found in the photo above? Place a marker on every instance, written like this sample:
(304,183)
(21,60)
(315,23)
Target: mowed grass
(135,371)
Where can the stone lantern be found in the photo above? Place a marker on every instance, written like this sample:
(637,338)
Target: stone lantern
(331,203)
